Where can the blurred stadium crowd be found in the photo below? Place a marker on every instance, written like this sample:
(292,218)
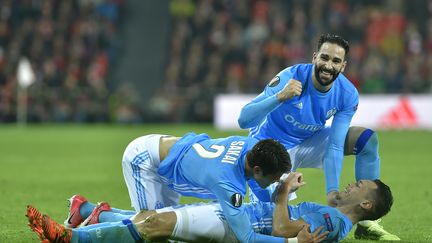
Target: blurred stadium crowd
(229,46)
(70,45)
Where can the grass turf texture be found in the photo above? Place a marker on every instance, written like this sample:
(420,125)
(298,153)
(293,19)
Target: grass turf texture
(45,165)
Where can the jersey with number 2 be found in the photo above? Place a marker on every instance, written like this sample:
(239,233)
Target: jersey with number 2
(214,168)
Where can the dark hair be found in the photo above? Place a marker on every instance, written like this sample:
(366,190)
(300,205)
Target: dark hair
(271,156)
(382,201)
(334,39)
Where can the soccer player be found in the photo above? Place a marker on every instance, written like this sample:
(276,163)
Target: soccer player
(293,109)
(158,168)
(365,199)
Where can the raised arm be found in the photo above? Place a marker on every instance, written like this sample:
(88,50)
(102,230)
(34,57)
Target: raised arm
(282,225)
(254,112)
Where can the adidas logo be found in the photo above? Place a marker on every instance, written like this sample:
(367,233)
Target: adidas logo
(400,116)
(299,105)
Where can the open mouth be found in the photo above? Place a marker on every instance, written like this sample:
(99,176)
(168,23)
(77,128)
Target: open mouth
(326,74)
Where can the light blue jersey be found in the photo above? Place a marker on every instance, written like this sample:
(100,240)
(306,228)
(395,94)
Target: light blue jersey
(293,121)
(315,215)
(214,168)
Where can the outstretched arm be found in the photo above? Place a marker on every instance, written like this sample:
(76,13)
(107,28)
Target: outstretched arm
(333,159)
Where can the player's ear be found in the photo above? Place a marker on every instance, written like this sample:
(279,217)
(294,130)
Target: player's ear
(314,55)
(343,66)
(257,171)
(366,204)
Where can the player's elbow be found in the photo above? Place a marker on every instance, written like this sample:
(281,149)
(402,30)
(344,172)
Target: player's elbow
(242,121)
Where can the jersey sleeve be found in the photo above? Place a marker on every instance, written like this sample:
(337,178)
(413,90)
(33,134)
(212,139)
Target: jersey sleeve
(231,202)
(255,111)
(333,157)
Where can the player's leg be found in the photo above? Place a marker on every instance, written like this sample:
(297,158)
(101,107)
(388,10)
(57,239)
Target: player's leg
(140,165)
(363,143)
(121,231)
(310,153)
(191,223)
(80,209)
(50,231)
(359,141)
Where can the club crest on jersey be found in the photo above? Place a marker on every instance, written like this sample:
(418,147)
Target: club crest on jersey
(274,82)
(355,107)
(236,200)
(328,222)
(331,112)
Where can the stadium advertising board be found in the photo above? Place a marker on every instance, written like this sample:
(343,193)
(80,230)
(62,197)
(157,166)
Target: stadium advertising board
(374,111)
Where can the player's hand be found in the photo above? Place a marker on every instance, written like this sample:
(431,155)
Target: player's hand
(291,182)
(294,181)
(304,236)
(292,88)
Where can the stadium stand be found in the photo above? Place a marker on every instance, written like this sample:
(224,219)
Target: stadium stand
(215,47)
(69,46)
(238,46)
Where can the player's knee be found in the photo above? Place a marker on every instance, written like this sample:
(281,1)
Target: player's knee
(157,227)
(357,139)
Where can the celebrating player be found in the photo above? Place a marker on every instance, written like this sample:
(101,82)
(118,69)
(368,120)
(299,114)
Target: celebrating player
(365,199)
(294,108)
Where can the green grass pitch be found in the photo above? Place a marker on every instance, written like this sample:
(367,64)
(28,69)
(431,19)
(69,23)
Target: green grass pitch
(45,165)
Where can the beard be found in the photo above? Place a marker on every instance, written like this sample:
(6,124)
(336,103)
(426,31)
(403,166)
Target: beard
(333,72)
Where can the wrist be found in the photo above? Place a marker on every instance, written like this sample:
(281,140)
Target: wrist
(280,97)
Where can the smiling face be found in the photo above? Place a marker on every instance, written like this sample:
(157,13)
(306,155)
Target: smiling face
(328,62)
(358,192)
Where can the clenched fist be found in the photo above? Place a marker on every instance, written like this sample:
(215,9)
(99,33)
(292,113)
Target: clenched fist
(292,88)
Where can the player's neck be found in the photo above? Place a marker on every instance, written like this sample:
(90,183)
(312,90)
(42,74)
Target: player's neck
(350,213)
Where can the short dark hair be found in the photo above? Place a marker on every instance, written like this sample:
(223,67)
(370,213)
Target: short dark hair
(382,201)
(334,39)
(270,155)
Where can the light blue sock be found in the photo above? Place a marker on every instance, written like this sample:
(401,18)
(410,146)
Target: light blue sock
(123,231)
(367,163)
(124,212)
(86,209)
(107,216)
(110,216)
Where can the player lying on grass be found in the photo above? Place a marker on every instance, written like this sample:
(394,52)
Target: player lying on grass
(365,199)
